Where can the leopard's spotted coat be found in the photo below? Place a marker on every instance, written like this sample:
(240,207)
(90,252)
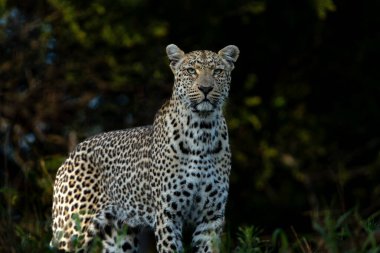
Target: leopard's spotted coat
(162,176)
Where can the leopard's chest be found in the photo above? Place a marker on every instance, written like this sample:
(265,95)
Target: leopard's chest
(191,163)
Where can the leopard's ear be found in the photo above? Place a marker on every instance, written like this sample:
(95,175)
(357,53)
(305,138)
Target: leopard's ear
(230,54)
(175,54)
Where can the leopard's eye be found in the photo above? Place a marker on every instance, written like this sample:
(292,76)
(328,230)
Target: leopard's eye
(217,72)
(191,71)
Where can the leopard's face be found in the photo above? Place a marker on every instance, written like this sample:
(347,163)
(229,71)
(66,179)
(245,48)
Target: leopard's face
(202,78)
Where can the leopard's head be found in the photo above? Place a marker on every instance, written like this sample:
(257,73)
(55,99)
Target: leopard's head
(202,78)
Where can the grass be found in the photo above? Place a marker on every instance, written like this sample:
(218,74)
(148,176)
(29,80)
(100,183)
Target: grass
(332,233)
(347,232)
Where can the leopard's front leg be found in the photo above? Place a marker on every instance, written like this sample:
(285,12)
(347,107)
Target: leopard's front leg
(209,218)
(168,232)
(207,236)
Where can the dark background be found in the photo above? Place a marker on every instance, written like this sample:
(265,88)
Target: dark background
(302,114)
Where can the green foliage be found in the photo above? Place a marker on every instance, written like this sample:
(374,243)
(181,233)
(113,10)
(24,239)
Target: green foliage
(344,232)
(302,112)
(280,239)
(249,241)
(347,232)
(323,7)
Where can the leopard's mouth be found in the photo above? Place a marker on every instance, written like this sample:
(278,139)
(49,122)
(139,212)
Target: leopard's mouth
(204,106)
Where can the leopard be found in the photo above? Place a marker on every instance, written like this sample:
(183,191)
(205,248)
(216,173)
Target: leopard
(164,176)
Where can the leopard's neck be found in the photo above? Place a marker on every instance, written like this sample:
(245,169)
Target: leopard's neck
(190,132)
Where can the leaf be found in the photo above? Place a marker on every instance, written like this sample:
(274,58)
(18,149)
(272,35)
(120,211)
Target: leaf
(253,101)
(317,227)
(342,219)
(279,235)
(255,121)
(323,7)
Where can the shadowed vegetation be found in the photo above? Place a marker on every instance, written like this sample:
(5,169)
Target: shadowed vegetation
(302,114)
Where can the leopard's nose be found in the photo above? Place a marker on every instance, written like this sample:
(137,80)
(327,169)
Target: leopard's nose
(205,89)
